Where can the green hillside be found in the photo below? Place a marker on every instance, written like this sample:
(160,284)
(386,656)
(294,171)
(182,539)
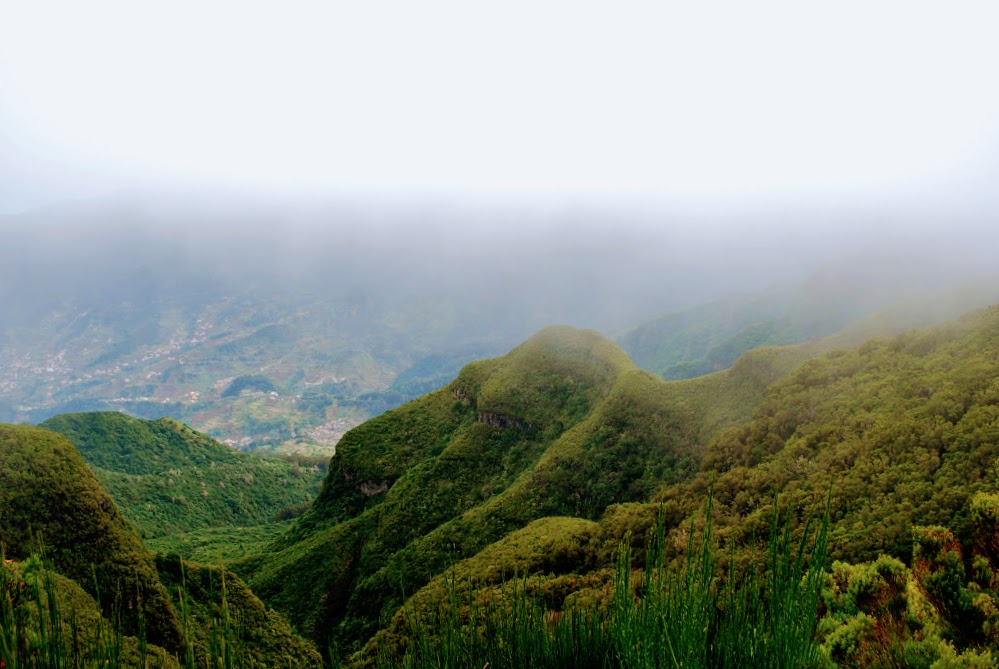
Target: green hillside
(564,425)
(560,471)
(30,593)
(564,437)
(47,492)
(168,479)
(69,553)
(906,429)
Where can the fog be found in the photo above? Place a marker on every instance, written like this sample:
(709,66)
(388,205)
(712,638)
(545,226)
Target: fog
(540,162)
(526,265)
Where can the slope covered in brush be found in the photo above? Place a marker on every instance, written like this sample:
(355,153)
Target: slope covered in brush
(52,506)
(48,493)
(168,478)
(904,429)
(900,434)
(562,425)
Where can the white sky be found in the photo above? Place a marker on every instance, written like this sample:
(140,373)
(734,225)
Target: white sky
(694,102)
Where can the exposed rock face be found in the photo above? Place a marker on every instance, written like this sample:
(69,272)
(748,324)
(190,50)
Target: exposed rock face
(370,488)
(496,420)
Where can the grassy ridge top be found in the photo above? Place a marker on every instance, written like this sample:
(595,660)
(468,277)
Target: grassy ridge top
(117,442)
(562,425)
(168,478)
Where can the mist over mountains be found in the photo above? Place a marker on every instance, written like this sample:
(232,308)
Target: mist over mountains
(283,322)
(606,267)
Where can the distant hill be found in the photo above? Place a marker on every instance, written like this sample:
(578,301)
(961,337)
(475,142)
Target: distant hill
(168,478)
(157,306)
(711,337)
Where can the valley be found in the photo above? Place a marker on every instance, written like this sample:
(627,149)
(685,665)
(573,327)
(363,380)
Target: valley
(531,335)
(348,462)
(555,459)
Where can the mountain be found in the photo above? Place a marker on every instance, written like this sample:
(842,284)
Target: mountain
(279,327)
(58,525)
(563,425)
(712,336)
(164,307)
(256,366)
(48,494)
(543,460)
(168,478)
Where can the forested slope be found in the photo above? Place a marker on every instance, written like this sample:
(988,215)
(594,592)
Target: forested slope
(902,430)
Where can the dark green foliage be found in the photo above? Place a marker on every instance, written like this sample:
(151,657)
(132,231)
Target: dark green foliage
(48,496)
(220,545)
(451,495)
(224,618)
(47,620)
(657,617)
(168,479)
(253,383)
(691,618)
(117,442)
(562,425)
(47,493)
(906,426)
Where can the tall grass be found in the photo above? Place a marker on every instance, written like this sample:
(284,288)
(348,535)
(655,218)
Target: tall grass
(659,618)
(691,617)
(33,632)
(39,631)
(513,632)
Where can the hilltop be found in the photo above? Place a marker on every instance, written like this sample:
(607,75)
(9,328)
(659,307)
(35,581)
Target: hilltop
(565,443)
(168,479)
(47,493)
(563,425)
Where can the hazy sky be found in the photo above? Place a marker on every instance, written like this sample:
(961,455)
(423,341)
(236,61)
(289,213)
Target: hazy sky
(699,104)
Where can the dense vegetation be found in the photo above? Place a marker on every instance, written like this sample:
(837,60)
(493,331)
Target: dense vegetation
(169,479)
(509,441)
(80,588)
(48,494)
(559,502)
(564,430)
